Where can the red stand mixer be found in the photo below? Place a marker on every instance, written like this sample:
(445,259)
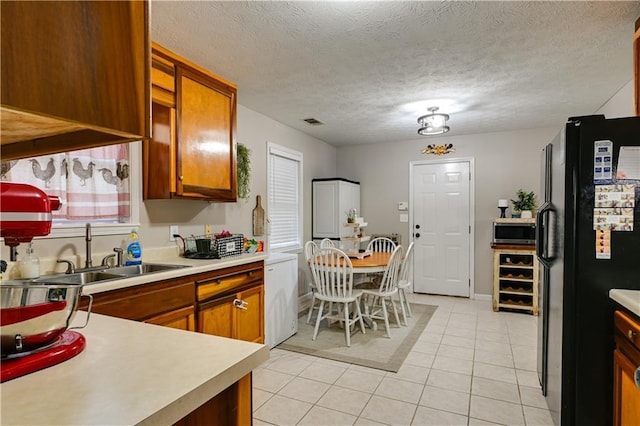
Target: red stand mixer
(34,315)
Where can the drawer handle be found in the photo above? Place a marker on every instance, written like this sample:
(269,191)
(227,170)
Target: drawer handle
(218,281)
(631,334)
(240,304)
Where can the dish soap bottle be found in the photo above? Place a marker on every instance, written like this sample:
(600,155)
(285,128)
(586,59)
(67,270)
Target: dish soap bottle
(30,264)
(134,250)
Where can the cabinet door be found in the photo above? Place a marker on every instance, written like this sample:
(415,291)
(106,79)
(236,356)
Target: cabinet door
(626,393)
(183,319)
(74,75)
(325,210)
(158,161)
(249,315)
(206,155)
(217,317)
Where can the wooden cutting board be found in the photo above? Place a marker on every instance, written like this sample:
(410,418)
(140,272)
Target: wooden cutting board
(258,217)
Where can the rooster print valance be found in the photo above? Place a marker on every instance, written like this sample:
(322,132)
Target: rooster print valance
(91,183)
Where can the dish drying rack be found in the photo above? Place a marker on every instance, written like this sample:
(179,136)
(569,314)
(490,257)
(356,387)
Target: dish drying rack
(212,246)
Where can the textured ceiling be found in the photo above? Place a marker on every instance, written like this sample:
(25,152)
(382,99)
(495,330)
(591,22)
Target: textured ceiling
(363,67)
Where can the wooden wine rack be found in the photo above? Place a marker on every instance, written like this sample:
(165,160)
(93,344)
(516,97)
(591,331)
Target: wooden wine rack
(515,279)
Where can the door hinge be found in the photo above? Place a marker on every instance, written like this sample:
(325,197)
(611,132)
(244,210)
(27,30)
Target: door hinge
(469,282)
(469,229)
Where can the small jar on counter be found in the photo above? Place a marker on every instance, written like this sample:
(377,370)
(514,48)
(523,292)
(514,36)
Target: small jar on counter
(30,264)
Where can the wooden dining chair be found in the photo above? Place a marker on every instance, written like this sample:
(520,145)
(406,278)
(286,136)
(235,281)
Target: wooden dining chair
(310,249)
(404,282)
(377,299)
(333,275)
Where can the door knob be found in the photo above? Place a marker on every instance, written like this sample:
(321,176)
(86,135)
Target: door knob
(417,226)
(417,235)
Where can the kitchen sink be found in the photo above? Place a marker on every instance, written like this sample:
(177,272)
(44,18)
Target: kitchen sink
(80,278)
(144,268)
(108,274)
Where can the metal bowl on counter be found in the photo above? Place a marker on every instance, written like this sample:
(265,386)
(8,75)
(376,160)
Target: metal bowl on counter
(33,314)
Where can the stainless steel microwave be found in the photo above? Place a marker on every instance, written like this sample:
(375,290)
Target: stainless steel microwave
(513,231)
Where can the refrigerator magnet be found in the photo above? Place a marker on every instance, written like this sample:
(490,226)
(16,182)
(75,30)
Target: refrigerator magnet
(603,244)
(602,167)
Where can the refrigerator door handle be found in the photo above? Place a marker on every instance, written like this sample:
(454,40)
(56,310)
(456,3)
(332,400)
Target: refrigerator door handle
(543,224)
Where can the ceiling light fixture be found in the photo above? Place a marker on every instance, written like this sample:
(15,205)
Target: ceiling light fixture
(433,123)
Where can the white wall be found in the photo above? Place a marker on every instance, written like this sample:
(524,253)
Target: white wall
(620,104)
(504,162)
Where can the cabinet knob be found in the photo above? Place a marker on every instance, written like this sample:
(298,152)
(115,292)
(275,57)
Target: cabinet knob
(181,178)
(631,334)
(636,377)
(240,304)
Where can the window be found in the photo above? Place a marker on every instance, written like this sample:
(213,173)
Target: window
(284,194)
(94,185)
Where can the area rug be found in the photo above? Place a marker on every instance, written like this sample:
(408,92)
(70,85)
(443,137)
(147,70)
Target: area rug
(371,349)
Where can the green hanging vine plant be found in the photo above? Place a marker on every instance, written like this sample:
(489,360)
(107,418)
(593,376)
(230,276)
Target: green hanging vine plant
(244,169)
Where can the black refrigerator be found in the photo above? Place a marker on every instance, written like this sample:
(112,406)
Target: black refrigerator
(588,242)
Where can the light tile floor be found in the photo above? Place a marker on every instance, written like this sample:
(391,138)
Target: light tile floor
(471,366)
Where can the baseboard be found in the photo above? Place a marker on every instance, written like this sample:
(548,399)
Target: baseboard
(304,302)
(479,296)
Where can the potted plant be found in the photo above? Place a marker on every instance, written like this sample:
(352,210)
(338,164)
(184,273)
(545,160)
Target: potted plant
(524,205)
(244,169)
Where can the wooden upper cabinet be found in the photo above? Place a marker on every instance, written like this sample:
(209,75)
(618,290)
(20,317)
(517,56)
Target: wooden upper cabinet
(74,75)
(636,66)
(192,152)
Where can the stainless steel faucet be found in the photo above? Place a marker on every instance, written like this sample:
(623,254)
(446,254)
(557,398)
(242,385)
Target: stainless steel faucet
(87,238)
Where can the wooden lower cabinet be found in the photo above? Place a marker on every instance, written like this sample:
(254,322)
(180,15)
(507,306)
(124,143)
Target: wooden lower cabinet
(230,303)
(182,319)
(626,363)
(230,407)
(169,302)
(227,302)
(238,316)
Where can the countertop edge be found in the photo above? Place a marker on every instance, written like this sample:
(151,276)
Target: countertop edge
(196,368)
(630,299)
(198,396)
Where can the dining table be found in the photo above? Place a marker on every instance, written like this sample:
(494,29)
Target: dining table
(376,262)
(369,263)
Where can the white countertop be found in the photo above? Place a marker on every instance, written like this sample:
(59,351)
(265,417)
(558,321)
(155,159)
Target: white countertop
(195,266)
(630,299)
(129,373)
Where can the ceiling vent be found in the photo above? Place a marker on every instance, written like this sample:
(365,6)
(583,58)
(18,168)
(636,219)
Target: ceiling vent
(312,121)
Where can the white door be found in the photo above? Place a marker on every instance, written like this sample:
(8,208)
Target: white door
(441,227)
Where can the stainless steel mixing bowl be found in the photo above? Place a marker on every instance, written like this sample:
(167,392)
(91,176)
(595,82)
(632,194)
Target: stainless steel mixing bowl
(33,315)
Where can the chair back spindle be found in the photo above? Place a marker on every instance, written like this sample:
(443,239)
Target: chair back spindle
(327,243)
(383,244)
(332,273)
